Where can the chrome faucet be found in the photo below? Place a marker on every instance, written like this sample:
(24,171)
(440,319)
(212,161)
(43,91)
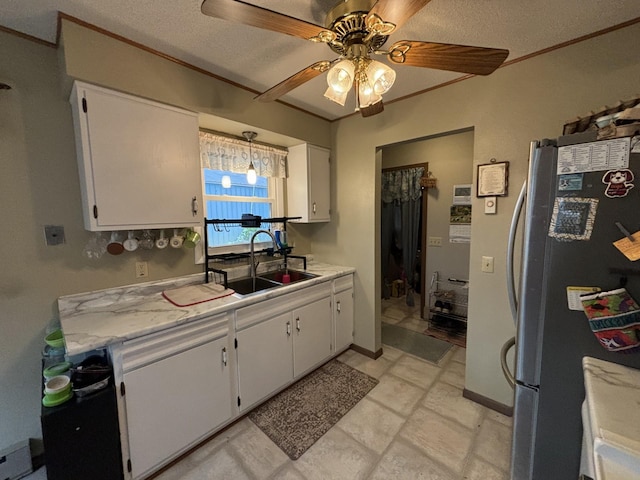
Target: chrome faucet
(254,265)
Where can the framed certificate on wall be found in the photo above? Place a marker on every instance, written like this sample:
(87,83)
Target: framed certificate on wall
(493,179)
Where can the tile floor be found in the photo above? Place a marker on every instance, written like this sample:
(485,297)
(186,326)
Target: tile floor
(414,424)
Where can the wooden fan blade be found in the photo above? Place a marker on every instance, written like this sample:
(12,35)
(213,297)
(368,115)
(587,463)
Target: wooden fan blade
(294,81)
(444,56)
(247,14)
(371,110)
(396,11)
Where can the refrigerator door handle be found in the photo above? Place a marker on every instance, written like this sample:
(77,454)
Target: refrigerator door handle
(511,379)
(511,279)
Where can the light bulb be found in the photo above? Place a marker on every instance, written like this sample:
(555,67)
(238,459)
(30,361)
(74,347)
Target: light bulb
(380,76)
(251,175)
(226,181)
(340,76)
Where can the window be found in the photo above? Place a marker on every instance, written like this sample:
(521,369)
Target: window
(222,156)
(263,199)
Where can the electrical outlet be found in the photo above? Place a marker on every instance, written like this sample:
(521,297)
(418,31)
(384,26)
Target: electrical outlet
(434,242)
(487,264)
(142,270)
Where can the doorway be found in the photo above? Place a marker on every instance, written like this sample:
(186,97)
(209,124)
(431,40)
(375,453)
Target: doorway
(443,252)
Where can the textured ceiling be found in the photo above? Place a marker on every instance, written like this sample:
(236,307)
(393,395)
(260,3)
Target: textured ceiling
(260,59)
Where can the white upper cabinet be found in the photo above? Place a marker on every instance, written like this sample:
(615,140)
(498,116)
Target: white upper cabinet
(308,184)
(139,161)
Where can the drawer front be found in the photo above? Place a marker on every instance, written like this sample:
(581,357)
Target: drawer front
(341,284)
(253,314)
(151,348)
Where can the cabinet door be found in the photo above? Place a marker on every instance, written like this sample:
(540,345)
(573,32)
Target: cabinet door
(308,184)
(312,335)
(174,402)
(343,315)
(139,161)
(264,359)
(319,174)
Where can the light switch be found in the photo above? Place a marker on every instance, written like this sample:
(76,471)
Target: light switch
(487,264)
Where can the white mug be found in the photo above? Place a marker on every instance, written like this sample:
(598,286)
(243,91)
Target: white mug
(162,241)
(177,240)
(131,243)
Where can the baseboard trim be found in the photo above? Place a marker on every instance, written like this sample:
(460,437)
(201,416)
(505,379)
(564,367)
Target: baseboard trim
(487,402)
(366,352)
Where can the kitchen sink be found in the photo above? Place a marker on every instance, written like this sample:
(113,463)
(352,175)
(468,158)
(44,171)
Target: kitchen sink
(267,280)
(245,286)
(295,276)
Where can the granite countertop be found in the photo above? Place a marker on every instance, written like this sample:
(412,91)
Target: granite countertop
(100,318)
(613,406)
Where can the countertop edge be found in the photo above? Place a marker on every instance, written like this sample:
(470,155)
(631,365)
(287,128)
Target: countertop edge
(90,321)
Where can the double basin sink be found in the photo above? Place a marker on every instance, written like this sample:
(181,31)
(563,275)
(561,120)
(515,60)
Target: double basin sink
(267,280)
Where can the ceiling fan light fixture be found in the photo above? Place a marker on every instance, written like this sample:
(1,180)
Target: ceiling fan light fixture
(340,76)
(381,77)
(339,97)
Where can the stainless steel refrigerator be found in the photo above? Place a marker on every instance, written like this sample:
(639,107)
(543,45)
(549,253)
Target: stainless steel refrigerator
(572,213)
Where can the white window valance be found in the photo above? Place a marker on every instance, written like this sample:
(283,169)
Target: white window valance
(223,153)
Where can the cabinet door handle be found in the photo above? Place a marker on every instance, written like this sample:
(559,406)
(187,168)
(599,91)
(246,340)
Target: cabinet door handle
(298,324)
(338,306)
(314,207)
(194,206)
(224,356)
(288,329)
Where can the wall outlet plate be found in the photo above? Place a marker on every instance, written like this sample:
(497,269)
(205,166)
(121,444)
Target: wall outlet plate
(54,234)
(434,242)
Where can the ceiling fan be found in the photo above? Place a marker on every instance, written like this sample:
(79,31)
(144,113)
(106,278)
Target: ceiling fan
(356,30)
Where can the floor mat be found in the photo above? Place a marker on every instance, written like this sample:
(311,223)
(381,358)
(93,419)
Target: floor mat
(415,343)
(298,416)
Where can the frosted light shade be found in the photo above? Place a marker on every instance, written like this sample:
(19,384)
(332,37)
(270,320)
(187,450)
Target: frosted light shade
(226,181)
(334,96)
(252,178)
(366,95)
(340,76)
(380,76)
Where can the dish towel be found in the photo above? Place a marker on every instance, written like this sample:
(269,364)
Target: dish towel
(614,318)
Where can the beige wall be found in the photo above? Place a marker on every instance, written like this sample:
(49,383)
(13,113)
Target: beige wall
(450,159)
(516,104)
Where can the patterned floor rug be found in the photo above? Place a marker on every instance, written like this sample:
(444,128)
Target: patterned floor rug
(415,343)
(298,416)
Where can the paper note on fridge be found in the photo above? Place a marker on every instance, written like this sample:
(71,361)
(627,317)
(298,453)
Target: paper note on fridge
(573,296)
(594,156)
(630,249)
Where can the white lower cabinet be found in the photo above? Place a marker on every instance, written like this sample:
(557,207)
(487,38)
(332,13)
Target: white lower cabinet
(181,385)
(280,339)
(177,391)
(264,358)
(343,313)
(312,337)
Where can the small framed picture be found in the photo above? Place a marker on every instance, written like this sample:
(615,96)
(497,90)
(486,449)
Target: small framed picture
(493,179)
